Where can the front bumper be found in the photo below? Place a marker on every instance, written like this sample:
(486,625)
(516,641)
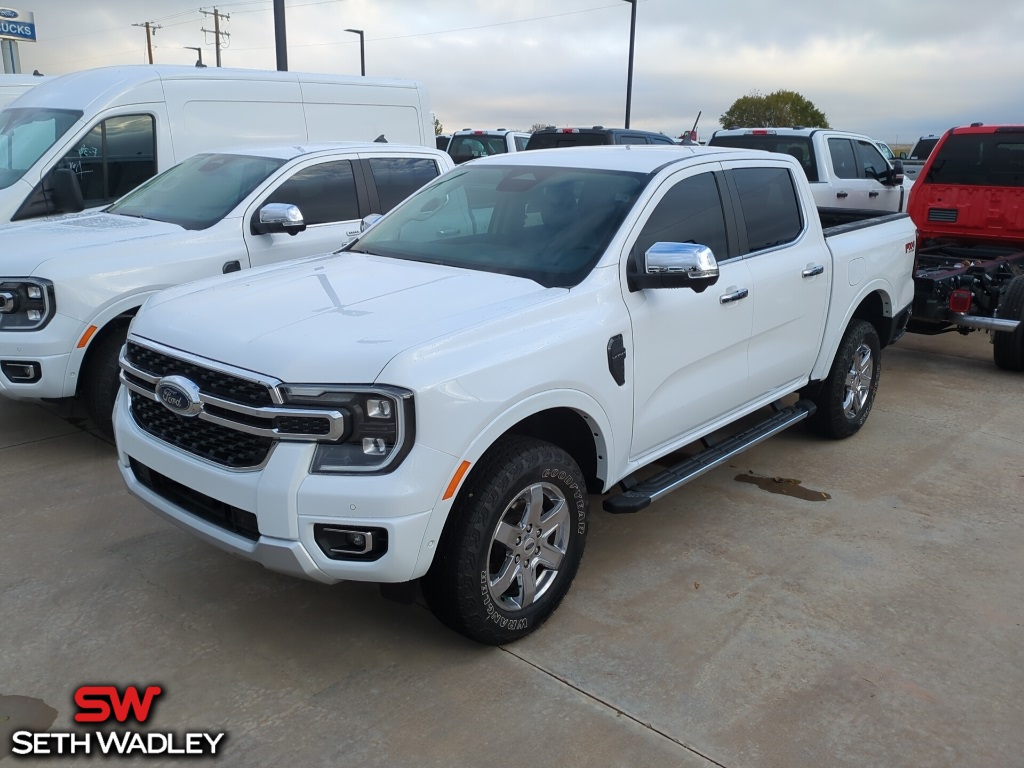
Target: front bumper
(52,349)
(288,502)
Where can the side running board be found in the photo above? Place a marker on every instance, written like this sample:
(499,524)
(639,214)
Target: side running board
(653,488)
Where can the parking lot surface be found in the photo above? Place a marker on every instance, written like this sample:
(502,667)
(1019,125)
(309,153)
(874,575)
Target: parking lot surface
(813,603)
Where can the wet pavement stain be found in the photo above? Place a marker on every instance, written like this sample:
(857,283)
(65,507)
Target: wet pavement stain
(784,485)
(22,713)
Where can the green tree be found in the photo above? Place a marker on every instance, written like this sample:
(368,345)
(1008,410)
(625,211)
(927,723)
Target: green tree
(776,110)
(438,128)
(537,126)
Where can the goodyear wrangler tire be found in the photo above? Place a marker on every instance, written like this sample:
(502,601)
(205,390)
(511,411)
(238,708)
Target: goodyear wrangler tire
(845,397)
(1008,348)
(513,543)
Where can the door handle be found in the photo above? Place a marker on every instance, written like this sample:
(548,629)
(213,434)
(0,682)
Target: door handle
(231,266)
(734,296)
(872,194)
(817,269)
(842,195)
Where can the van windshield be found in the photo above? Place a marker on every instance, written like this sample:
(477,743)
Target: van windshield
(26,133)
(550,225)
(198,192)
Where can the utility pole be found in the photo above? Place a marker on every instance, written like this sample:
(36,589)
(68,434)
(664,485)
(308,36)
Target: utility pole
(280,36)
(151,29)
(217,34)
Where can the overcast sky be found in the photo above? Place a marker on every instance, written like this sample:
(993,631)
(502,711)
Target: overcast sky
(893,69)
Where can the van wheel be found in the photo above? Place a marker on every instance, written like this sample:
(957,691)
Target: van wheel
(100,380)
(844,399)
(514,542)
(1008,348)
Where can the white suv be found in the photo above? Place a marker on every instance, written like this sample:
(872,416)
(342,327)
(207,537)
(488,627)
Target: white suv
(468,143)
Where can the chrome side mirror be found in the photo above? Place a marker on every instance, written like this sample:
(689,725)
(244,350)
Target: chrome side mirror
(677,265)
(278,217)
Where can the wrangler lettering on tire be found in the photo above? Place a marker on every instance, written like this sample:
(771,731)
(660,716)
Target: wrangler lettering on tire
(514,542)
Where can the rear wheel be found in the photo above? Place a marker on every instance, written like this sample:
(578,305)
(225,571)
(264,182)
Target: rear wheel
(844,399)
(100,378)
(514,542)
(1008,348)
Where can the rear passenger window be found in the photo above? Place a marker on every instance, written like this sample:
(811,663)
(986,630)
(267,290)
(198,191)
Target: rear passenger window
(325,193)
(521,142)
(398,177)
(690,212)
(769,205)
(843,161)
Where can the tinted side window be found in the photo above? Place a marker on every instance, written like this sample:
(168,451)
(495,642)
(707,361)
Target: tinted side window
(662,140)
(324,193)
(116,156)
(521,142)
(691,212)
(769,204)
(398,177)
(630,138)
(871,160)
(843,161)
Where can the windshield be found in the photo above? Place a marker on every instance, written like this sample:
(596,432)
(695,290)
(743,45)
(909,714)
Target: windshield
(923,148)
(198,192)
(550,225)
(26,133)
(886,152)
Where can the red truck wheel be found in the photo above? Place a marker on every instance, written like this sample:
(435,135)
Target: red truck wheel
(1008,348)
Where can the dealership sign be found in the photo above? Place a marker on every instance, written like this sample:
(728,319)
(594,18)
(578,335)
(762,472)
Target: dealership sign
(17,25)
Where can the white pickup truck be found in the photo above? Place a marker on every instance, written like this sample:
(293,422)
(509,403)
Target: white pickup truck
(846,170)
(439,399)
(70,286)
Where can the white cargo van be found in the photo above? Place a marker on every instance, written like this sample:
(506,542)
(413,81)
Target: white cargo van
(85,139)
(12,86)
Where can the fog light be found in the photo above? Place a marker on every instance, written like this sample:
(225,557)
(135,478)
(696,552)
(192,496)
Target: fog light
(960,300)
(34,292)
(374,446)
(21,373)
(342,543)
(378,409)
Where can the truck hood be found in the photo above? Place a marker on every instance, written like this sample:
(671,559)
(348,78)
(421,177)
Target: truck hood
(329,319)
(25,247)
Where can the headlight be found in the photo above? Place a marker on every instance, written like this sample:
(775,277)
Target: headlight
(379,431)
(26,303)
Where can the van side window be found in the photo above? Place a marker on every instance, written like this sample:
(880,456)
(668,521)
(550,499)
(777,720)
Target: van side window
(116,156)
(769,206)
(325,193)
(398,177)
(690,212)
(843,161)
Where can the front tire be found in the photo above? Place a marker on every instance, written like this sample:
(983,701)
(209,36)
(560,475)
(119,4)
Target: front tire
(1008,348)
(845,397)
(513,544)
(101,378)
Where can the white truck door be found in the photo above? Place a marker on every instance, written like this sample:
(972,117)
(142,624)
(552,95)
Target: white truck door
(790,273)
(325,192)
(876,170)
(689,357)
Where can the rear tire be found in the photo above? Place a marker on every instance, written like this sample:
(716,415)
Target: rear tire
(845,397)
(513,543)
(100,378)
(1008,348)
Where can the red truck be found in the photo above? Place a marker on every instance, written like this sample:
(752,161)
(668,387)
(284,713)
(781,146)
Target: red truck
(968,206)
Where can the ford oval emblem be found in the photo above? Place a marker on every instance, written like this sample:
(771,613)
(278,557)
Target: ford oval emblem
(7,13)
(179,395)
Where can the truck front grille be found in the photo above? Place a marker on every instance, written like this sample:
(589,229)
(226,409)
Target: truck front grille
(217,383)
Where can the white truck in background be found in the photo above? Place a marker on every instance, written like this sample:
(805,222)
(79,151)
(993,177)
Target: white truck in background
(70,286)
(438,400)
(12,86)
(84,139)
(846,170)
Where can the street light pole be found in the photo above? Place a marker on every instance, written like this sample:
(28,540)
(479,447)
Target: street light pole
(629,76)
(362,50)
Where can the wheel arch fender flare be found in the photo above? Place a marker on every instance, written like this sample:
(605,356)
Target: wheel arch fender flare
(874,303)
(583,404)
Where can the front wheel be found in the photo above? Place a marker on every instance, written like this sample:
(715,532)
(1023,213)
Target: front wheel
(1008,348)
(845,397)
(513,544)
(101,378)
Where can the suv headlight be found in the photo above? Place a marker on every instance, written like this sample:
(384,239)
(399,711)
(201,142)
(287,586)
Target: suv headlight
(26,303)
(379,431)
